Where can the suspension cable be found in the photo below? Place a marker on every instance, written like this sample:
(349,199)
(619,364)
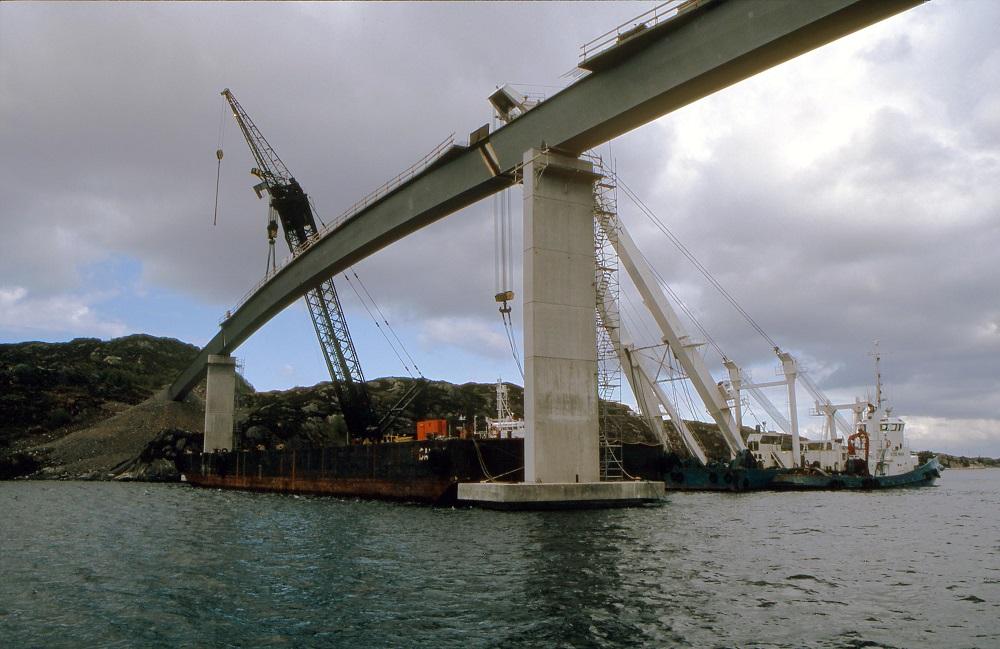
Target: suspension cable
(631,313)
(694,260)
(684,307)
(386,321)
(749,410)
(378,326)
(509,328)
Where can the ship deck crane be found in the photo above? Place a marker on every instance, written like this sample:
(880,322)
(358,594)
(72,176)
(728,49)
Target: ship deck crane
(290,206)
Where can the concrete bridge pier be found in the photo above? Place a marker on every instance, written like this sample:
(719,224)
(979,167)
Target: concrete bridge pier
(220,401)
(561,446)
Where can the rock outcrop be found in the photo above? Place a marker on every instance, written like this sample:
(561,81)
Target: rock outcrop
(159,461)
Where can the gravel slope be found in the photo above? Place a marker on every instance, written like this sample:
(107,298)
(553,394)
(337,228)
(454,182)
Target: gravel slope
(94,451)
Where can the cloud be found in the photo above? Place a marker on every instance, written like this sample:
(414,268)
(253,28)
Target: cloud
(72,315)
(471,335)
(971,437)
(840,212)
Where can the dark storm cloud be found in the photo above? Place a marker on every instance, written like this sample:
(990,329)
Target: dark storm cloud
(112,112)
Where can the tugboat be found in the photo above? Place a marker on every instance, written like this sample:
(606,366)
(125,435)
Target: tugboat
(877,456)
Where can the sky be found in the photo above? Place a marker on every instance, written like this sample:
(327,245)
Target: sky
(847,196)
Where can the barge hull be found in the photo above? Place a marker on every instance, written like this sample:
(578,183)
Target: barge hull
(429,491)
(426,471)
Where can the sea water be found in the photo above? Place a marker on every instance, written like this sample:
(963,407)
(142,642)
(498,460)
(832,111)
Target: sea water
(142,565)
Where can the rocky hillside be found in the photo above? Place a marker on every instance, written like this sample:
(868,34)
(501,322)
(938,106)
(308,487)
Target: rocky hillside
(960,461)
(310,416)
(53,387)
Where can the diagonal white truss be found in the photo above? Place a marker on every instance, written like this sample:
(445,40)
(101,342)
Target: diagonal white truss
(676,337)
(649,394)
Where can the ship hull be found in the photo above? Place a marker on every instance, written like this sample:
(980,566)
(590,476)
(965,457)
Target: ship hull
(649,462)
(922,476)
(719,479)
(427,490)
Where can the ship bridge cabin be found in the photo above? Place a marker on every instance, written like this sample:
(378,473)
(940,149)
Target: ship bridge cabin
(888,453)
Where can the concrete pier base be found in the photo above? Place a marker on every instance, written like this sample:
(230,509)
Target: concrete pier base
(559,495)
(220,402)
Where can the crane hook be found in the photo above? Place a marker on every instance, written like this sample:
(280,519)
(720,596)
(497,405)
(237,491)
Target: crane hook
(218,174)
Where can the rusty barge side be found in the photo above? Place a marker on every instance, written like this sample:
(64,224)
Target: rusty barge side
(426,471)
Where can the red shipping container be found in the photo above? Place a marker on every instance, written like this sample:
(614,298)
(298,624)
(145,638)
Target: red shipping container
(431,428)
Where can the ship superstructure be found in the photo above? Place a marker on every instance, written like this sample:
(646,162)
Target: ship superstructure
(774,449)
(888,452)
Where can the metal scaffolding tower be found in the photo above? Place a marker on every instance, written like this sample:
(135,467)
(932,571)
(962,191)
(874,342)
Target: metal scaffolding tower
(609,369)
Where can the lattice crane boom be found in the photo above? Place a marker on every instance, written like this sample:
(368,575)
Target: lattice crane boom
(272,169)
(291,205)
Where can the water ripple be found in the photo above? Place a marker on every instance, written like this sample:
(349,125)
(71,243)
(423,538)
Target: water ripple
(120,565)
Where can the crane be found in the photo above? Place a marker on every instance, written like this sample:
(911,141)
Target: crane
(290,205)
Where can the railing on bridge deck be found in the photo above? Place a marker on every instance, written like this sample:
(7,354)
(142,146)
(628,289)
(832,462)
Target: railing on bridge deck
(393,183)
(658,14)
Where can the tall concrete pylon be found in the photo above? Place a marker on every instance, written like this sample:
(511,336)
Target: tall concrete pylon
(560,346)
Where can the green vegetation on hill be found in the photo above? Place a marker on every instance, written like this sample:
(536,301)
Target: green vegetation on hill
(49,386)
(311,416)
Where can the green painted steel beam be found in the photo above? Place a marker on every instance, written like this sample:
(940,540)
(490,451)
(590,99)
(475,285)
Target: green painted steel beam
(715,45)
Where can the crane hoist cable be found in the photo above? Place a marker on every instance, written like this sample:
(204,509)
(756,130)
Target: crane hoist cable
(513,345)
(502,246)
(378,325)
(503,264)
(386,321)
(315,212)
(218,168)
(694,261)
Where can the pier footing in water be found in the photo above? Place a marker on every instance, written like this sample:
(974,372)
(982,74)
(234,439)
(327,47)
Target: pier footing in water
(559,495)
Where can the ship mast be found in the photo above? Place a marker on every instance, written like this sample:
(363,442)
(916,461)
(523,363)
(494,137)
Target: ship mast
(878,377)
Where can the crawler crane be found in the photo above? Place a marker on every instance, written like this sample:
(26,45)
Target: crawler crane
(290,206)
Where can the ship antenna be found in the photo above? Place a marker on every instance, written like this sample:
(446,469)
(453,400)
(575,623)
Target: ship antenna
(878,377)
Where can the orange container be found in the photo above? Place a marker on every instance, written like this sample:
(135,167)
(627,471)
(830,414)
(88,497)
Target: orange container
(431,428)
